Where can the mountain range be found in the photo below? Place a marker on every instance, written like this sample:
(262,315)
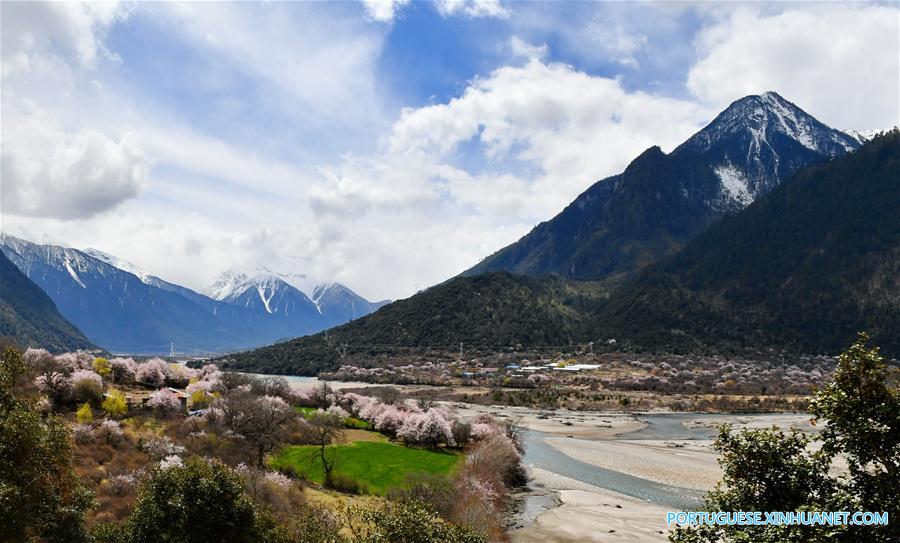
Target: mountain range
(804,268)
(30,318)
(650,211)
(766,229)
(121,308)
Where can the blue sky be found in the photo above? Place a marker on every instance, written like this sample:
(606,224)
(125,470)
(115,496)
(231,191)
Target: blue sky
(385,145)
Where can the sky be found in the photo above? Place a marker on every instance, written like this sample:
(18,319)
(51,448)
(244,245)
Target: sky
(386,145)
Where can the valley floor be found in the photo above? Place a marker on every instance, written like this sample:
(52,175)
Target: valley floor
(606,476)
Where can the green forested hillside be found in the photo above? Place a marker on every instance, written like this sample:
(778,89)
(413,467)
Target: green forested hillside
(492,311)
(29,317)
(804,268)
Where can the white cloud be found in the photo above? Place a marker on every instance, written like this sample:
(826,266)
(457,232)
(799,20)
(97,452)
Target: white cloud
(472,8)
(383,10)
(384,202)
(614,41)
(541,134)
(30,29)
(521,48)
(315,67)
(839,62)
(49,172)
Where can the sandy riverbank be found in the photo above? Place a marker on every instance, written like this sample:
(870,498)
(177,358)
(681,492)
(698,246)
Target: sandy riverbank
(561,422)
(591,514)
(686,464)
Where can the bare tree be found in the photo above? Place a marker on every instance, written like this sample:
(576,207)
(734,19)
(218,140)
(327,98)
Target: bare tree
(322,394)
(326,428)
(260,420)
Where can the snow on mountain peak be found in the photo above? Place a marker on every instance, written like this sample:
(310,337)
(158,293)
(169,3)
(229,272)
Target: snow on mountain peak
(863,136)
(763,116)
(734,185)
(117,262)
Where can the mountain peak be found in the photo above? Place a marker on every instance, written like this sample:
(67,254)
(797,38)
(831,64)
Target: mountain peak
(659,202)
(768,116)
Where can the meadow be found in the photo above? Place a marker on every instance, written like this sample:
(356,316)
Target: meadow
(378,465)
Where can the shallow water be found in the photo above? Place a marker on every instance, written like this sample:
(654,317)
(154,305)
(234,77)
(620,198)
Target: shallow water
(669,426)
(540,454)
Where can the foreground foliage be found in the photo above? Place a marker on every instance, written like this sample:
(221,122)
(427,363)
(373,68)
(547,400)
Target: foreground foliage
(769,470)
(40,497)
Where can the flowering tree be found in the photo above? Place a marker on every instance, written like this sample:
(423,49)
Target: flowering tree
(110,432)
(162,447)
(51,373)
(338,412)
(164,400)
(390,420)
(87,375)
(151,372)
(430,429)
(122,370)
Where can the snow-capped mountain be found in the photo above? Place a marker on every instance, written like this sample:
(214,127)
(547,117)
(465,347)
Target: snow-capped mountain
(262,289)
(757,142)
(264,292)
(117,262)
(625,222)
(124,309)
(340,304)
(862,136)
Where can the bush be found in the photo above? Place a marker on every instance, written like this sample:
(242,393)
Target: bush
(102,367)
(110,432)
(345,484)
(497,456)
(108,532)
(432,490)
(85,414)
(196,503)
(313,523)
(411,522)
(88,387)
(114,403)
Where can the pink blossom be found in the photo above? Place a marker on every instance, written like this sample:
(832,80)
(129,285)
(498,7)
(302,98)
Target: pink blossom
(151,372)
(201,386)
(165,399)
(371,409)
(31,355)
(482,489)
(482,430)
(335,410)
(122,369)
(171,461)
(430,428)
(68,360)
(86,375)
(390,420)
(412,406)
(278,479)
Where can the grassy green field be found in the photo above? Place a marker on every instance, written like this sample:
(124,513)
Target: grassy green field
(379,465)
